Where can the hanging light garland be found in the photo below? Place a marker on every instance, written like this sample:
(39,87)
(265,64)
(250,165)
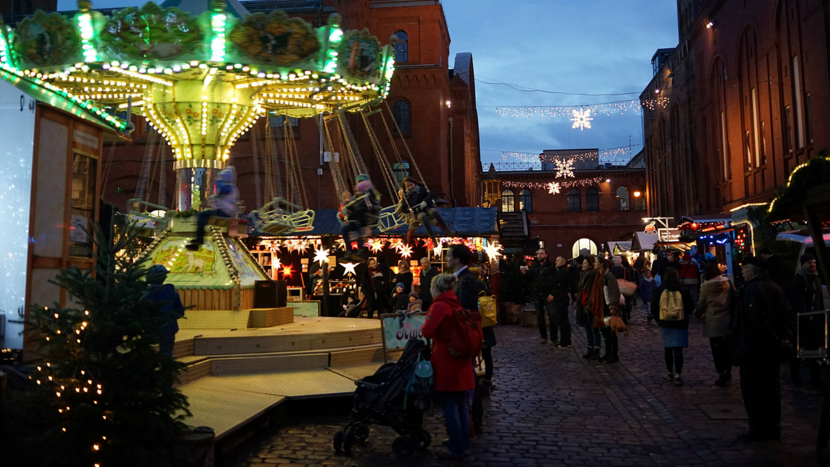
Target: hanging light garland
(605,108)
(599,155)
(556,186)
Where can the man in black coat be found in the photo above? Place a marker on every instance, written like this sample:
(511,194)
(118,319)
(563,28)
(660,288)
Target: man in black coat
(776,272)
(659,266)
(427,274)
(805,295)
(560,289)
(541,274)
(467,288)
(760,326)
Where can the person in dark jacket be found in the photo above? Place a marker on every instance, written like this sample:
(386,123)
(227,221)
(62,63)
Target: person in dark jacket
(172,308)
(561,299)
(574,271)
(760,327)
(427,273)
(400,299)
(459,258)
(646,290)
(659,266)
(373,286)
(605,303)
(640,263)
(420,204)
(674,328)
(776,272)
(361,213)
(582,308)
(404,276)
(805,295)
(541,274)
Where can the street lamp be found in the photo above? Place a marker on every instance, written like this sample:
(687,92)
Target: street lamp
(637,194)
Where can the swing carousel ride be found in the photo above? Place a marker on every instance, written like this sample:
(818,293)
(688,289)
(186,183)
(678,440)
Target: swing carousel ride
(201,78)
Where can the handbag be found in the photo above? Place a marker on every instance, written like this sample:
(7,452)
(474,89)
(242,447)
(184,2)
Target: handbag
(627,288)
(489,313)
(617,325)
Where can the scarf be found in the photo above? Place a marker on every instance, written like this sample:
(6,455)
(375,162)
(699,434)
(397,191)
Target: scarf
(598,300)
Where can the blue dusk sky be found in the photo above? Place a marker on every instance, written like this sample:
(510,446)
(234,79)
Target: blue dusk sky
(568,46)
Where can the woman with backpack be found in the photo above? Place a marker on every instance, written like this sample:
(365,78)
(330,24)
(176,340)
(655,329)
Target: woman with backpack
(453,376)
(671,307)
(713,306)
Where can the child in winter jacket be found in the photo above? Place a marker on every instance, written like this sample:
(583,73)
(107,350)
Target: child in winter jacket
(415,303)
(646,290)
(399,298)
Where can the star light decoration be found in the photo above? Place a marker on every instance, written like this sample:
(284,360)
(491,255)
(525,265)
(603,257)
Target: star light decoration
(321,256)
(406,251)
(553,188)
(492,251)
(349,268)
(582,119)
(564,168)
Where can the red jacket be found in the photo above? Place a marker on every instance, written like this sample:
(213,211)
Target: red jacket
(451,374)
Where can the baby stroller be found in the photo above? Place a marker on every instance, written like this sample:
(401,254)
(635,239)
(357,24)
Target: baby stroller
(382,399)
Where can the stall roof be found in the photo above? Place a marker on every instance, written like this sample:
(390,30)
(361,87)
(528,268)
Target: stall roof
(643,241)
(469,222)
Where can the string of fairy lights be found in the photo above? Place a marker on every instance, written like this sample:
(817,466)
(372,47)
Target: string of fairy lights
(584,110)
(608,154)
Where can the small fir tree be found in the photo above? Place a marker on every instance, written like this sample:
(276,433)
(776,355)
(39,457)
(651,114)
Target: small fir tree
(103,395)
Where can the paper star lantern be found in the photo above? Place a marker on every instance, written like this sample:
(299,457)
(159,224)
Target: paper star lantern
(286,271)
(406,251)
(349,268)
(321,256)
(275,263)
(492,250)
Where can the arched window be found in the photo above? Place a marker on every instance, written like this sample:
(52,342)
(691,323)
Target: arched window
(592,200)
(639,200)
(574,200)
(402,48)
(584,244)
(401,170)
(623,199)
(526,200)
(507,201)
(401,113)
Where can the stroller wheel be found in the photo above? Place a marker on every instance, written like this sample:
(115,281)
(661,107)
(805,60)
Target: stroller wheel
(421,438)
(360,433)
(348,440)
(403,447)
(338,441)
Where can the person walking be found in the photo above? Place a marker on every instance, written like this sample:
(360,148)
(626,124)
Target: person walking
(583,308)
(427,274)
(541,274)
(453,376)
(646,290)
(760,334)
(659,266)
(805,295)
(640,263)
(374,288)
(605,302)
(671,308)
(713,306)
(690,275)
(561,285)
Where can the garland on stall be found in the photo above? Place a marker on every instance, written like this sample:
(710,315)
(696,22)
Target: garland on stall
(803,178)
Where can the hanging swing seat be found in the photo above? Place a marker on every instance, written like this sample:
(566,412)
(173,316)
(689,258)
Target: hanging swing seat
(156,220)
(390,219)
(278,221)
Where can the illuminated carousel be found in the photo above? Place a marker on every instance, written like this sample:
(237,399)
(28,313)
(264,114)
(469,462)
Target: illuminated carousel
(201,75)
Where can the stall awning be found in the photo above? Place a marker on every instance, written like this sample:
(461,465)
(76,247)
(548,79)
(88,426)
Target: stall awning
(469,222)
(643,241)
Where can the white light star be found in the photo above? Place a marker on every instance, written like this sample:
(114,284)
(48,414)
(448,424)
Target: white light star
(275,263)
(349,268)
(582,119)
(321,256)
(406,251)
(564,168)
(492,250)
(553,188)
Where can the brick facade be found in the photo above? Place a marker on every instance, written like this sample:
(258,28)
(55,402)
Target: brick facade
(425,81)
(747,87)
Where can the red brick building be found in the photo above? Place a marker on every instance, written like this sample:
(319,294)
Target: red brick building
(602,204)
(433,101)
(747,93)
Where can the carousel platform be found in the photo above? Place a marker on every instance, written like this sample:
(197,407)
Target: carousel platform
(236,376)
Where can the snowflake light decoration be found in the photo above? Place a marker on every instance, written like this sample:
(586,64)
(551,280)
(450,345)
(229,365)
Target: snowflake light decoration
(553,188)
(564,168)
(582,119)
(349,268)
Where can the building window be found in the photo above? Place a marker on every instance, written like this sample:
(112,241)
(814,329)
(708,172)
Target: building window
(526,200)
(401,170)
(592,200)
(788,128)
(83,204)
(808,122)
(507,201)
(748,152)
(623,199)
(755,128)
(723,148)
(574,200)
(401,113)
(584,244)
(277,123)
(639,200)
(402,47)
(764,142)
(798,103)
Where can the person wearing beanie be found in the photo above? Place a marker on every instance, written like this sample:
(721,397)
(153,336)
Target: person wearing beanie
(361,213)
(223,204)
(166,296)
(418,202)
(415,303)
(400,299)
(805,295)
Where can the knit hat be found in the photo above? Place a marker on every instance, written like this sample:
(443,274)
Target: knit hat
(156,275)
(414,294)
(757,262)
(400,284)
(617,260)
(806,257)
(362,178)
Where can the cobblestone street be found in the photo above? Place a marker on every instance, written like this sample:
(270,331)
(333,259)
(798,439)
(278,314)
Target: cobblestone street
(551,407)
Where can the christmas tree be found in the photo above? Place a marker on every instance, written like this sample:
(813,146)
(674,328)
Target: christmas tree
(102,395)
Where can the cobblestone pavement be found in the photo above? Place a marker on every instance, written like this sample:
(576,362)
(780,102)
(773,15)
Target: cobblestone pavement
(551,407)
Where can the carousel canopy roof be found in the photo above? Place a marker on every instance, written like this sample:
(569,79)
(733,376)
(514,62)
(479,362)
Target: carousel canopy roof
(469,222)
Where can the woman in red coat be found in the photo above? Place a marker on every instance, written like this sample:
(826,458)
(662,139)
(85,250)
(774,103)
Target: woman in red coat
(453,376)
